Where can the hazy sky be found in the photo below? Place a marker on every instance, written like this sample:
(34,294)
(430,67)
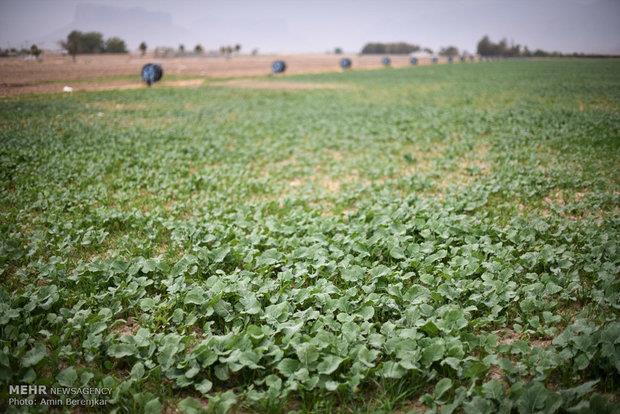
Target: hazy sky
(318,26)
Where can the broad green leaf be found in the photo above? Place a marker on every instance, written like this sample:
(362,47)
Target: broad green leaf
(137,372)
(196,296)
(250,303)
(34,355)
(147,304)
(397,252)
(452,320)
(493,390)
(307,353)
(479,405)
(67,377)
(191,405)
(367,312)
(121,350)
(204,386)
(268,258)
(534,399)
(222,403)
(331,385)
(192,372)
(153,407)
(288,366)
(367,357)
(391,369)
(442,386)
(329,364)
(353,273)
(220,254)
(475,369)
(432,353)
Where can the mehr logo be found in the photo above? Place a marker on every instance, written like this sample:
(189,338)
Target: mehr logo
(42,395)
(27,389)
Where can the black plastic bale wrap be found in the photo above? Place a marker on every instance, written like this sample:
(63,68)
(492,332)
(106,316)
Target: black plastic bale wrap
(151,73)
(278,66)
(345,63)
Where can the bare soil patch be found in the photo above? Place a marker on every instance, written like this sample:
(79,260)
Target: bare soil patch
(55,87)
(130,327)
(19,76)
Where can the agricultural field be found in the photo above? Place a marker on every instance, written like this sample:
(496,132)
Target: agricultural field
(440,238)
(109,71)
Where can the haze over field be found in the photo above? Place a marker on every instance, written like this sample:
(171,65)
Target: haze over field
(589,26)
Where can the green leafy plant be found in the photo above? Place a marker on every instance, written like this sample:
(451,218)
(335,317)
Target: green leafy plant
(437,238)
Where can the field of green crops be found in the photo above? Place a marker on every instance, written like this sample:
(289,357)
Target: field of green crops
(441,238)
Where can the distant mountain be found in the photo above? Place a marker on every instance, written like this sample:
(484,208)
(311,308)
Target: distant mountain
(133,25)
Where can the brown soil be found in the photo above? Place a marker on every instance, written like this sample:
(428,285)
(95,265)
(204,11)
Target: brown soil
(96,72)
(85,86)
(130,327)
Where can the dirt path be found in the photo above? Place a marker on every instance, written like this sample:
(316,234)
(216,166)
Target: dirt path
(85,86)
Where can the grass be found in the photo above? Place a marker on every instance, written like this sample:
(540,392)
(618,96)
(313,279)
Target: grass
(439,237)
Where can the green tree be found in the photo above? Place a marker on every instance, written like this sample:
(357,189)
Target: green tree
(78,42)
(35,51)
(237,48)
(488,48)
(338,51)
(71,44)
(115,45)
(142,48)
(198,49)
(91,42)
(400,48)
(485,46)
(181,48)
(449,51)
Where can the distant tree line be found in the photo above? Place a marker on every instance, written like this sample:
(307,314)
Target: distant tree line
(486,47)
(449,51)
(400,48)
(228,50)
(181,51)
(92,42)
(33,50)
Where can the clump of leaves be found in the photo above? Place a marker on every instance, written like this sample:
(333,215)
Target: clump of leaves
(376,247)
